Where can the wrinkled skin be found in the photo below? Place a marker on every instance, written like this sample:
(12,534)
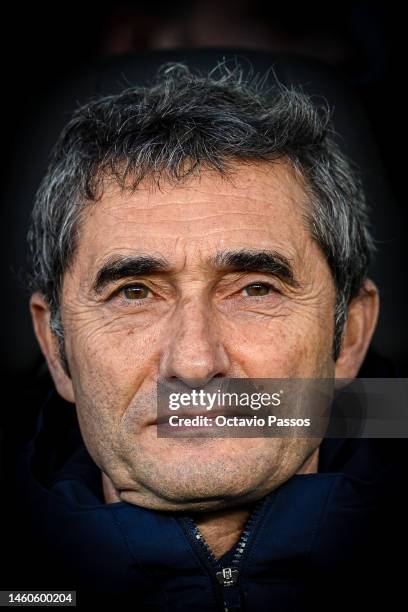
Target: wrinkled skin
(194,324)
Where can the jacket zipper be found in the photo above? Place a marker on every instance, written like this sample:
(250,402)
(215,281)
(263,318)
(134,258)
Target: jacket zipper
(226,577)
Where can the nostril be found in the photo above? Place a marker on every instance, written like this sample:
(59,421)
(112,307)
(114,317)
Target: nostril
(196,381)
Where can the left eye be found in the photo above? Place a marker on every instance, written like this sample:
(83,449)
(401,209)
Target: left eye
(135,292)
(258,289)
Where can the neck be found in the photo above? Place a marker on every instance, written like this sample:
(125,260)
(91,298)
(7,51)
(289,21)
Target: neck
(222,529)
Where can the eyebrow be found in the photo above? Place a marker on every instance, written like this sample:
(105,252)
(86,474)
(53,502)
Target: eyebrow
(264,261)
(119,267)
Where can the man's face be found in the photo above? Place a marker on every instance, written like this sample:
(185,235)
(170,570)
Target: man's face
(200,314)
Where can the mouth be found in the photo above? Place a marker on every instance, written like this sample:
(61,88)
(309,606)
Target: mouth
(163,420)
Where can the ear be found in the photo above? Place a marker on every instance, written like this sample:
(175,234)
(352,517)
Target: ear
(361,322)
(40,313)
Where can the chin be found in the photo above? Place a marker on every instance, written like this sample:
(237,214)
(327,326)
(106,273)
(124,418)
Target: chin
(189,499)
(183,485)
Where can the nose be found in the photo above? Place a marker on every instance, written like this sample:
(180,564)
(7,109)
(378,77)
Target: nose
(194,353)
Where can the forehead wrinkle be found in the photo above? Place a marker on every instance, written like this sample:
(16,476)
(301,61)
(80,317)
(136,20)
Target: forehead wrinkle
(214,215)
(154,200)
(108,209)
(236,192)
(260,228)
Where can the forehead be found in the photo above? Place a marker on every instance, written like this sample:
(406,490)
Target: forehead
(259,206)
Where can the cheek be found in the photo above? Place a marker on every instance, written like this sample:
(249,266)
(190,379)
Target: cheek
(280,347)
(108,370)
(109,363)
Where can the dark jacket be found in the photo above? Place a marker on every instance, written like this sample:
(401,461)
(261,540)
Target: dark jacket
(316,537)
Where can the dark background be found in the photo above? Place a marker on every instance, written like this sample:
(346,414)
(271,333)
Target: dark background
(41,44)
(44,45)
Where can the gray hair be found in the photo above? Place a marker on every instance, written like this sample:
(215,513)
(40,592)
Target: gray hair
(185,121)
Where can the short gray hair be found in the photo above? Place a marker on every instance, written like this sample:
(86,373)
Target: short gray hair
(185,121)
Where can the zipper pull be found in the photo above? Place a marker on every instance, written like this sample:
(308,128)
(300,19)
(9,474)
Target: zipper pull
(227,576)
